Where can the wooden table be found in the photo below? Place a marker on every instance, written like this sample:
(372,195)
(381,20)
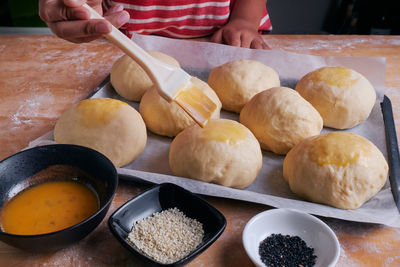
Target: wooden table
(41,76)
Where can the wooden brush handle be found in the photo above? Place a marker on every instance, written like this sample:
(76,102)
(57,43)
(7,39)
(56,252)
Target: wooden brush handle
(128,46)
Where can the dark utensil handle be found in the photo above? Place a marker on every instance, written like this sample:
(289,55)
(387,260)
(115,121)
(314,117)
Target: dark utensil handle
(393,149)
(101,85)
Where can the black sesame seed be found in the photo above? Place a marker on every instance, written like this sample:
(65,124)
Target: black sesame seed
(286,251)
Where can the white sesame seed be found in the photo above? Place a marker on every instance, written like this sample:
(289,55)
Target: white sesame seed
(167,236)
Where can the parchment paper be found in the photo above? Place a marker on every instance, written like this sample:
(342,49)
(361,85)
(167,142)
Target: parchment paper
(269,188)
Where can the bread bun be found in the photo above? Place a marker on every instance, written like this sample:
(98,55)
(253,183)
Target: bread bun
(236,82)
(168,118)
(109,126)
(339,169)
(223,152)
(280,118)
(130,80)
(342,96)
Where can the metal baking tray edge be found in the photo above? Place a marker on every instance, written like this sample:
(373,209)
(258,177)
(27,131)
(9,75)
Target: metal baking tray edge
(392,148)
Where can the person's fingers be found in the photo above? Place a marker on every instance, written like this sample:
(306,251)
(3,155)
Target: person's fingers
(264,44)
(96,5)
(234,41)
(84,39)
(54,11)
(59,10)
(76,13)
(256,45)
(73,3)
(118,18)
(217,37)
(231,38)
(246,40)
(114,9)
(74,30)
(259,43)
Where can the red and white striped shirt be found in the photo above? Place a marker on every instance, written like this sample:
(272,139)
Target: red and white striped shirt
(178,18)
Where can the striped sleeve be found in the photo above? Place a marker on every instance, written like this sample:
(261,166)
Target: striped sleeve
(178,18)
(265,23)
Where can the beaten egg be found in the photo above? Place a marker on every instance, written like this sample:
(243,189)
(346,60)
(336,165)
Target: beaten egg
(48,207)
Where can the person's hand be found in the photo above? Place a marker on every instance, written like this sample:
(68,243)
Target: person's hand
(239,32)
(69,20)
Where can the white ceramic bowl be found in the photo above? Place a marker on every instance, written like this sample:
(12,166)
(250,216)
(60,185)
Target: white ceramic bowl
(312,230)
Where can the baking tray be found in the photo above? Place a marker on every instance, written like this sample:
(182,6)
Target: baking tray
(269,188)
(127,173)
(391,141)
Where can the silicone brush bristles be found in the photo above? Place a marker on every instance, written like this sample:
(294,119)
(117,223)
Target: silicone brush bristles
(196,104)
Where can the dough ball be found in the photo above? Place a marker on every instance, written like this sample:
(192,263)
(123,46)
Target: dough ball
(236,82)
(109,126)
(280,118)
(223,152)
(339,169)
(342,96)
(129,79)
(168,118)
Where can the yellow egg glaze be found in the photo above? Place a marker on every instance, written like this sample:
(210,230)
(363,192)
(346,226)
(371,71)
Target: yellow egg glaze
(193,101)
(334,76)
(338,148)
(98,111)
(48,207)
(225,131)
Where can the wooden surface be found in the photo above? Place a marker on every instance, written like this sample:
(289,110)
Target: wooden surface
(41,76)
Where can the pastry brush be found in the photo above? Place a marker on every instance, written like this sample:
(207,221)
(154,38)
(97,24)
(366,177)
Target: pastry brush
(171,82)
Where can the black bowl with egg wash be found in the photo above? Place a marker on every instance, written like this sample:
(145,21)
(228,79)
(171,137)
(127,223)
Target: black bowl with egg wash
(52,196)
(167,225)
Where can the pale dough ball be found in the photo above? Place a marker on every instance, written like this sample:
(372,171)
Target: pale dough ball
(223,152)
(280,118)
(109,126)
(339,169)
(168,118)
(130,80)
(236,82)
(342,96)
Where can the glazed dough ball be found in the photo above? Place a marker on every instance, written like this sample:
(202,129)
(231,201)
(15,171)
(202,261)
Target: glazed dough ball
(236,82)
(168,118)
(280,118)
(223,152)
(129,79)
(342,96)
(339,169)
(109,126)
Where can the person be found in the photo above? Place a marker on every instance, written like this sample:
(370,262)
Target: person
(232,22)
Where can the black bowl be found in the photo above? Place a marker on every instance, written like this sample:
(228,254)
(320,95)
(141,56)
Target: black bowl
(162,197)
(57,162)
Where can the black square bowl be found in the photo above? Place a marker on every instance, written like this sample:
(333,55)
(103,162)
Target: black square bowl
(162,197)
